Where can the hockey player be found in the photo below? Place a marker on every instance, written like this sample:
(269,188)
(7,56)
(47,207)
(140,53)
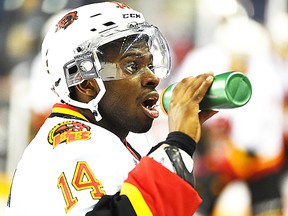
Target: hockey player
(105,61)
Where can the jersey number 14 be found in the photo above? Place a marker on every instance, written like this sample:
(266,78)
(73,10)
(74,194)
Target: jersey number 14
(83,179)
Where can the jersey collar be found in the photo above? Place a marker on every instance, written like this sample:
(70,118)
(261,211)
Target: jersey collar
(65,110)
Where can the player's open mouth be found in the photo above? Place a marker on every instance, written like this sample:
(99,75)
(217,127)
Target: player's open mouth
(150,105)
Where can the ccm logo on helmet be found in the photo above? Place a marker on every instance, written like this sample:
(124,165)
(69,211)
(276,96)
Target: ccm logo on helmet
(131,15)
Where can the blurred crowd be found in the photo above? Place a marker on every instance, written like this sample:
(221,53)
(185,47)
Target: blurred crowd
(241,162)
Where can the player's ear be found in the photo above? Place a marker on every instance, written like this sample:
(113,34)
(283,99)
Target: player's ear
(88,87)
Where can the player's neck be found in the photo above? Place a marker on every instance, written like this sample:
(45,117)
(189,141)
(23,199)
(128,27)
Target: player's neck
(107,124)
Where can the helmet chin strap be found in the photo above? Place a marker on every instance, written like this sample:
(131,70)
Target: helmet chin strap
(92,105)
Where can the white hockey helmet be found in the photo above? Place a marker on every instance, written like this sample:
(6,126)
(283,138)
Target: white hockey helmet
(72,51)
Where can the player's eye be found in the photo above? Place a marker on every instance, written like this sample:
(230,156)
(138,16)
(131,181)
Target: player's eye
(132,67)
(151,67)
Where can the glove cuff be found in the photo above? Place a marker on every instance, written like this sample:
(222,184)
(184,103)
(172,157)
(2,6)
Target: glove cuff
(179,140)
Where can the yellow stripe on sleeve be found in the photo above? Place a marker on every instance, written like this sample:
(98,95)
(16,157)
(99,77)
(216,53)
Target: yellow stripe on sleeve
(136,199)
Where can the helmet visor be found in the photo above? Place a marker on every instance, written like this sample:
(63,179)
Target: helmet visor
(120,54)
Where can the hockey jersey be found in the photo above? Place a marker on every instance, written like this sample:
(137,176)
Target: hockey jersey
(73,167)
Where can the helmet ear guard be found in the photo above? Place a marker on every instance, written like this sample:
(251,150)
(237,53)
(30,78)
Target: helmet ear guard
(78,70)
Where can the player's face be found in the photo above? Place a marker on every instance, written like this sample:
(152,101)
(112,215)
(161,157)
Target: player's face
(128,103)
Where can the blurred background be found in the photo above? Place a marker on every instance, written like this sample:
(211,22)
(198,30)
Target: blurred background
(241,162)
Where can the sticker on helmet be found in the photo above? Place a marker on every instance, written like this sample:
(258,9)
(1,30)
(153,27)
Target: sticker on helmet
(67,20)
(121,5)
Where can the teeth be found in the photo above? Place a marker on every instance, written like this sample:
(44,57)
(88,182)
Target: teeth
(151,108)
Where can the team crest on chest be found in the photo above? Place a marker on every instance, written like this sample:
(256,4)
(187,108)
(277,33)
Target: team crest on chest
(67,132)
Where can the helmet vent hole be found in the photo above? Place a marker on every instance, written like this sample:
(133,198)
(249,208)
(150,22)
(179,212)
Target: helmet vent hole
(93,30)
(57,82)
(108,23)
(95,15)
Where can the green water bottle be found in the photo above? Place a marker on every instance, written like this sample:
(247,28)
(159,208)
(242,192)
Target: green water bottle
(228,90)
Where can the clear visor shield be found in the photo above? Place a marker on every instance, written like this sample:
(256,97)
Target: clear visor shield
(120,54)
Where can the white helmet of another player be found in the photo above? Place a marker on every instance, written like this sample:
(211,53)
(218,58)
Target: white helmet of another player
(72,49)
